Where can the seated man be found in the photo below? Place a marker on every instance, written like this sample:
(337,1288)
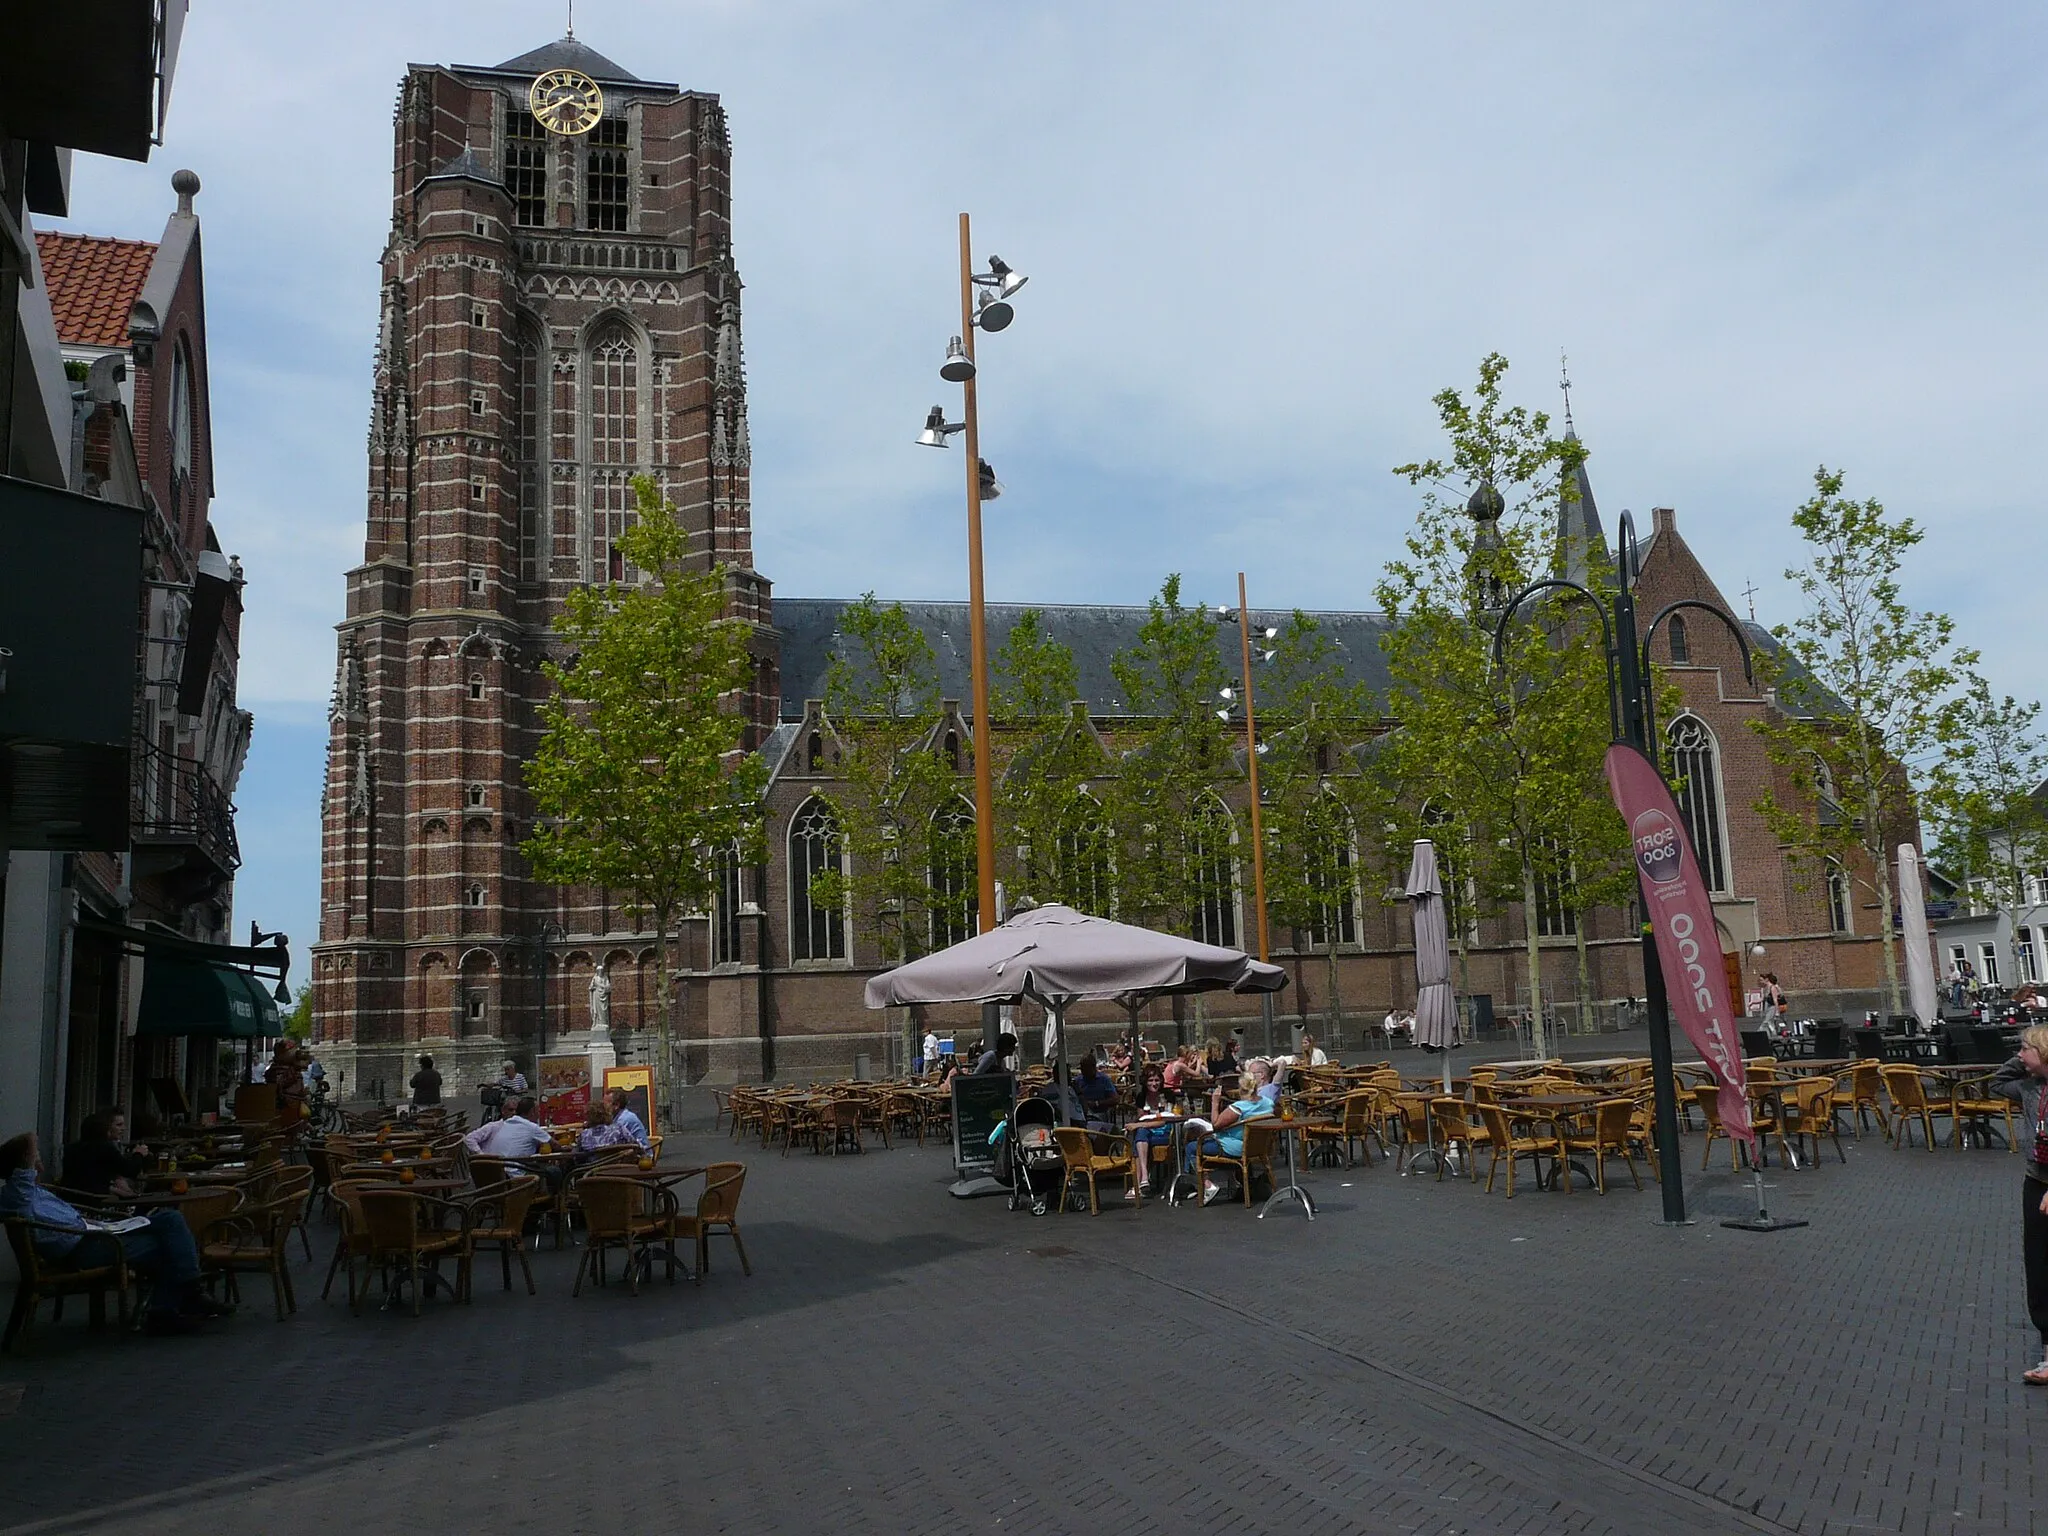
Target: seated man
(1097,1093)
(630,1125)
(1226,1123)
(163,1250)
(513,1136)
(95,1164)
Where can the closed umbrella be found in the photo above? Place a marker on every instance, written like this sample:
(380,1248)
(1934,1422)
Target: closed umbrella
(1436,1017)
(1919,942)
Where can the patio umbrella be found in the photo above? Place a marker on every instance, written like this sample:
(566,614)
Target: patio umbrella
(1919,952)
(1058,957)
(1435,1008)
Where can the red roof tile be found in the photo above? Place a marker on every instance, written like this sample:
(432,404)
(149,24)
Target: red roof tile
(93,283)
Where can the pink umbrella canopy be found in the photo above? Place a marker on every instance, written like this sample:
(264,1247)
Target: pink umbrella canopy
(1057,956)
(1435,1008)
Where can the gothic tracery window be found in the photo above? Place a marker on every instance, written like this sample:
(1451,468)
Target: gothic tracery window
(955,889)
(1332,875)
(1213,868)
(817,929)
(613,384)
(606,178)
(526,167)
(1695,764)
(1082,872)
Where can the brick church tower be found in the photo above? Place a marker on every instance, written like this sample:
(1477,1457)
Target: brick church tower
(560,312)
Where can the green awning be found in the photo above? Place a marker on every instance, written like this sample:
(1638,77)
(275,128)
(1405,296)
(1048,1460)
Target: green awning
(195,997)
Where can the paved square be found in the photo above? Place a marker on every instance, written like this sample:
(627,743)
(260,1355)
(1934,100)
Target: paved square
(1423,1358)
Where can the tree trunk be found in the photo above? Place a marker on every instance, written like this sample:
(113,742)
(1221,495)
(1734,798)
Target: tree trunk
(1539,1035)
(668,943)
(1585,966)
(1333,1016)
(1884,903)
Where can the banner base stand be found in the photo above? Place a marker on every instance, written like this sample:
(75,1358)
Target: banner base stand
(974,1188)
(1763,1220)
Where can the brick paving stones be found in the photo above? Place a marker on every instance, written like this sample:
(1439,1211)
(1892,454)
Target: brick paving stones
(1424,1358)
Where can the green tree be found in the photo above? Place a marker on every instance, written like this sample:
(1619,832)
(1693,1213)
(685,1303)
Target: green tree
(639,780)
(1493,760)
(1986,799)
(1175,862)
(898,798)
(1053,836)
(1863,685)
(1310,713)
(298,1024)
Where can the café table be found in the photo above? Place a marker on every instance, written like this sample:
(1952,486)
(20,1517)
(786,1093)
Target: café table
(650,1250)
(1554,1109)
(1816,1066)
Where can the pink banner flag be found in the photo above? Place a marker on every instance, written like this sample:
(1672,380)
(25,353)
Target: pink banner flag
(1681,914)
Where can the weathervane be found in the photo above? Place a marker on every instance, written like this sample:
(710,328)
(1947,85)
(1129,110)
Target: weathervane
(1750,593)
(572,18)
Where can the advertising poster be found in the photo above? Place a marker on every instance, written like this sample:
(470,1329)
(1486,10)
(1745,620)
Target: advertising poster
(637,1083)
(564,1087)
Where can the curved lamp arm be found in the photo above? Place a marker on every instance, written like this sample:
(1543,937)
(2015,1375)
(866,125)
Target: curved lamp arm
(1500,634)
(1649,633)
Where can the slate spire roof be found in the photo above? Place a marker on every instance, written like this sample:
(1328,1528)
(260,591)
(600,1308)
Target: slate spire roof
(567,53)
(1580,538)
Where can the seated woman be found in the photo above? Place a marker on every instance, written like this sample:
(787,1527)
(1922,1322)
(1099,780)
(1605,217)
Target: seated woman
(1153,1124)
(600,1130)
(1224,1136)
(95,1164)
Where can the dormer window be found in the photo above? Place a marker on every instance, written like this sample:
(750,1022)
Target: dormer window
(605,176)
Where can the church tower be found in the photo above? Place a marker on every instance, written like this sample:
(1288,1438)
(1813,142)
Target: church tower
(559,313)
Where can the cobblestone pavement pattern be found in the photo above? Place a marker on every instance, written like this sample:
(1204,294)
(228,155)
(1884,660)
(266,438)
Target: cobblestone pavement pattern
(1423,1358)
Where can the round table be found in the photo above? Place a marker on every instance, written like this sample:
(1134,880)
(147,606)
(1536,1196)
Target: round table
(1556,1108)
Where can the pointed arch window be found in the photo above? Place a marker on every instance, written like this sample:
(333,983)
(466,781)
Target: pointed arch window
(526,445)
(955,902)
(1696,765)
(1332,875)
(1555,916)
(1082,873)
(1212,870)
(817,928)
(727,901)
(613,385)
(1681,644)
(1841,900)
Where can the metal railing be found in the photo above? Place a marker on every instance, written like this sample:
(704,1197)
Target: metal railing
(174,799)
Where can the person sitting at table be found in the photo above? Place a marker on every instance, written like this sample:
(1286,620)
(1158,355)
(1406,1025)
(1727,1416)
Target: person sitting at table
(1223,1132)
(512,1136)
(95,1164)
(1120,1055)
(997,1058)
(1184,1064)
(1269,1074)
(633,1127)
(1222,1060)
(1152,1126)
(601,1130)
(1097,1093)
(163,1250)
(949,1068)
(1309,1055)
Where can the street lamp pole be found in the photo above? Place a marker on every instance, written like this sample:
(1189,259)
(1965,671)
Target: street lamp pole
(548,929)
(977,619)
(1631,714)
(1251,757)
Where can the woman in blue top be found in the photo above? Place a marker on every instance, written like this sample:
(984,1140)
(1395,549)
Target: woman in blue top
(1227,1121)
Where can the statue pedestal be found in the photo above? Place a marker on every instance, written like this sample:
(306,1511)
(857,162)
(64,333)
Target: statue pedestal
(602,1054)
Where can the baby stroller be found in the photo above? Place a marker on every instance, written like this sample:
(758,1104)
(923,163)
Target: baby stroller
(1033,1155)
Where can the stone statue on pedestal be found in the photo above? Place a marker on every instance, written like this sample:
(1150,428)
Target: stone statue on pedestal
(601,1001)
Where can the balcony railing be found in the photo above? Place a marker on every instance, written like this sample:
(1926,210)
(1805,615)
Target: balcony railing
(176,801)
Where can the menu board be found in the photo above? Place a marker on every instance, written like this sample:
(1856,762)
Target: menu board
(564,1088)
(980,1104)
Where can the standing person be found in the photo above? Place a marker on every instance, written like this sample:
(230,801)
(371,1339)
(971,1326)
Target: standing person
(426,1085)
(931,1050)
(2024,1080)
(1774,996)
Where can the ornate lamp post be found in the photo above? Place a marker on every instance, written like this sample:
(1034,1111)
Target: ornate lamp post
(1242,617)
(1631,715)
(550,929)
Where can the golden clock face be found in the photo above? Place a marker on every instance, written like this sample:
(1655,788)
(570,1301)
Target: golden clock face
(566,101)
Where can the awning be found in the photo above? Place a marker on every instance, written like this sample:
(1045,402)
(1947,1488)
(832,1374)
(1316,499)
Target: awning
(198,997)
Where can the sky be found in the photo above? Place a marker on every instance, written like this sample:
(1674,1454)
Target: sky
(1259,239)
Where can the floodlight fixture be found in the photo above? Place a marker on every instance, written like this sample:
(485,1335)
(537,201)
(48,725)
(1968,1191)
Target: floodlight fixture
(1001,278)
(1227,695)
(958,367)
(937,429)
(992,314)
(991,487)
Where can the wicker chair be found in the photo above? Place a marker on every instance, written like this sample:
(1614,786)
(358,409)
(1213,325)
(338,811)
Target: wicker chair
(1907,1090)
(624,1214)
(1358,1126)
(1082,1154)
(1260,1138)
(1449,1128)
(1973,1103)
(1859,1088)
(498,1217)
(254,1241)
(1613,1125)
(718,1210)
(1809,1114)
(51,1279)
(1506,1143)
(400,1227)
(1708,1097)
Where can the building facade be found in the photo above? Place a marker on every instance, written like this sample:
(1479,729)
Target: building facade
(560,312)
